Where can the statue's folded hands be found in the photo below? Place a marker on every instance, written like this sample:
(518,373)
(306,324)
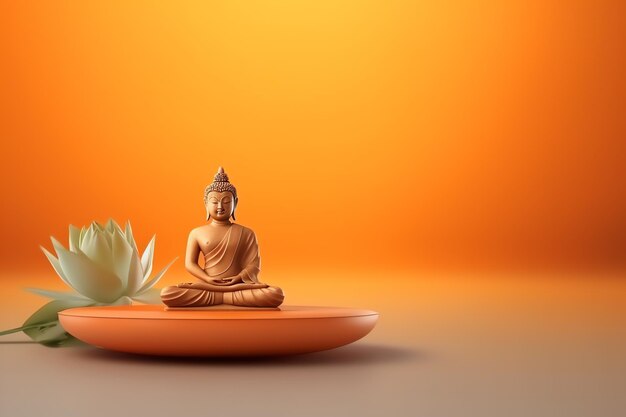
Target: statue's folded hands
(223,281)
(229,288)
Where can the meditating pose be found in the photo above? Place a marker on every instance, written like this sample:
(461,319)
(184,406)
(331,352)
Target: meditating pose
(231,258)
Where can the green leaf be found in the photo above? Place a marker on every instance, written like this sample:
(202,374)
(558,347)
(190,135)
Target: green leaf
(68,341)
(50,332)
(22,328)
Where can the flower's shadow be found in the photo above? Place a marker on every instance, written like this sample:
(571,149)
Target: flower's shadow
(361,353)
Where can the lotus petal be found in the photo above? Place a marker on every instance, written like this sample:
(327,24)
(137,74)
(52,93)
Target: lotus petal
(83,230)
(51,333)
(86,240)
(108,232)
(135,275)
(109,227)
(118,228)
(106,238)
(122,301)
(151,296)
(109,239)
(58,246)
(156,278)
(64,296)
(122,255)
(99,251)
(56,265)
(89,278)
(146,259)
(129,236)
(115,226)
(74,238)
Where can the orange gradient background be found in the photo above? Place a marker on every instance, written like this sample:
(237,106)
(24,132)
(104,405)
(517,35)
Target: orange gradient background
(370,134)
(458,166)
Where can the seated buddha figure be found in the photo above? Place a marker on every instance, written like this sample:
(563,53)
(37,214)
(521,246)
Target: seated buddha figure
(231,258)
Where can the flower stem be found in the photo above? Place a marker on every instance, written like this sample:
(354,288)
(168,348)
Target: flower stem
(32,326)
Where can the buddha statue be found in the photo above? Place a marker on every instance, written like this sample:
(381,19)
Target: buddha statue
(231,258)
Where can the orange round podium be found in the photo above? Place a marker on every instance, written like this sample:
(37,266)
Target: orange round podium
(151,330)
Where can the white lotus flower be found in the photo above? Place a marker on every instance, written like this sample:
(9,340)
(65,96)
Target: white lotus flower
(103,264)
(103,267)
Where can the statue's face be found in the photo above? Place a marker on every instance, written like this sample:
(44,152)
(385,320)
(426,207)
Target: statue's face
(221,205)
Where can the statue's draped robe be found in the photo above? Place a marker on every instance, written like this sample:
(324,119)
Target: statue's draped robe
(237,254)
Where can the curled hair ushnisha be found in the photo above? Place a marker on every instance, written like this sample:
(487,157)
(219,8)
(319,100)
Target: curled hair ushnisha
(220,184)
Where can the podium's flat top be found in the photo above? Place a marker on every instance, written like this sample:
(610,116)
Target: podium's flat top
(159,312)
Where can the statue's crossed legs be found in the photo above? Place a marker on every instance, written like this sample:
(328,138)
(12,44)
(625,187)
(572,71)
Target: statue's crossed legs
(191,297)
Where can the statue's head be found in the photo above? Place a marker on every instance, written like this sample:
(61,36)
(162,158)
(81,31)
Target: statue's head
(220,197)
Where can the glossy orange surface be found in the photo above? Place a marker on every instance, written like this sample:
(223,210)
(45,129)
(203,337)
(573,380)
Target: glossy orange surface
(153,331)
